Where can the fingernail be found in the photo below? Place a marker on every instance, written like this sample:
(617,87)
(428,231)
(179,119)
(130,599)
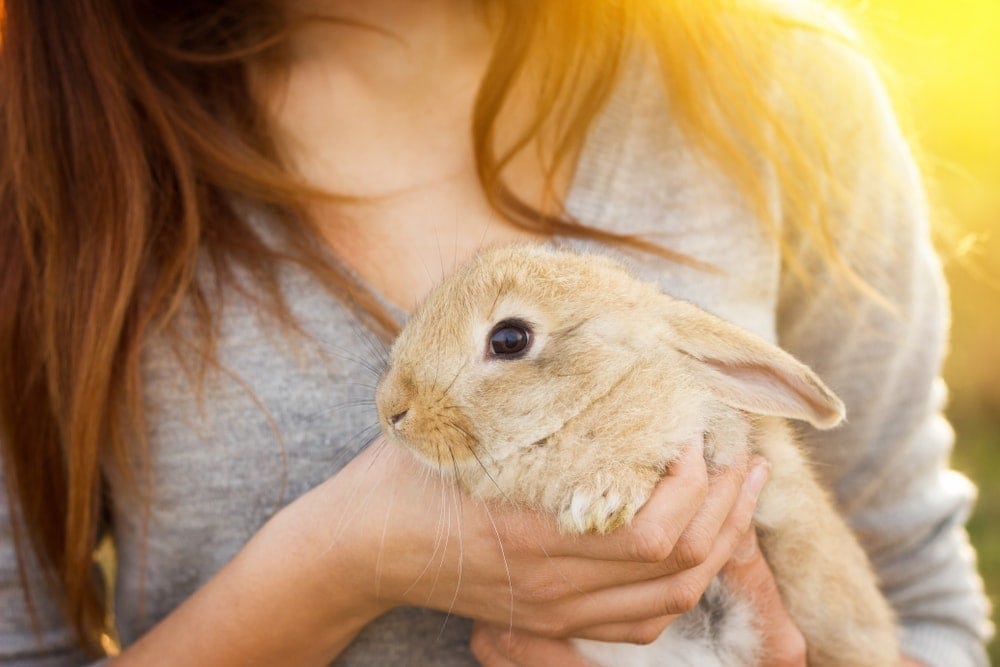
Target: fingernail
(755,481)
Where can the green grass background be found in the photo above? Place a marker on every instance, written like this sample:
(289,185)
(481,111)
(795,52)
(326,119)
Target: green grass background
(943,65)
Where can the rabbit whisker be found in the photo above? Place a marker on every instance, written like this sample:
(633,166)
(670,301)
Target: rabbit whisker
(464,432)
(479,460)
(506,565)
(437,242)
(377,348)
(331,409)
(427,566)
(385,530)
(444,392)
(444,528)
(493,306)
(457,501)
(437,460)
(378,447)
(365,385)
(334,350)
(362,434)
(347,517)
(437,535)
(374,437)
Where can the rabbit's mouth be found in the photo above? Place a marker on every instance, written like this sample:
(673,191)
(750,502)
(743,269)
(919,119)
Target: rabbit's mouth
(439,436)
(435,454)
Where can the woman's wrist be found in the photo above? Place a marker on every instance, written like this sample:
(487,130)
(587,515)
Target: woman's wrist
(325,568)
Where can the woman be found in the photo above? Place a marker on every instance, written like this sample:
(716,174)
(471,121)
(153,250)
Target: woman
(202,206)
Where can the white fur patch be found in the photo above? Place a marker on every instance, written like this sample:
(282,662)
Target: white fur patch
(719,632)
(598,508)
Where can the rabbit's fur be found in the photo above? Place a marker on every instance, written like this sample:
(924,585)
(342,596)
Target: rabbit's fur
(616,378)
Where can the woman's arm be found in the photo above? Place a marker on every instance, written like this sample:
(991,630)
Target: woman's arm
(290,596)
(888,465)
(299,591)
(307,582)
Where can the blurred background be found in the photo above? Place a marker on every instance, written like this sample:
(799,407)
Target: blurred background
(942,63)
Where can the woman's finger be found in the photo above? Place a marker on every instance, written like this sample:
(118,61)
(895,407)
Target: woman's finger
(672,594)
(695,542)
(656,528)
(494,646)
(748,573)
(641,632)
(691,549)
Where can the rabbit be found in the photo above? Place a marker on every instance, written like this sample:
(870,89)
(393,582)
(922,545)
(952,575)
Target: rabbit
(559,381)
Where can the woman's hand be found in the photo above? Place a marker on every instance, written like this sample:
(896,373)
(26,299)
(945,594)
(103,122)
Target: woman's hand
(783,643)
(494,646)
(422,543)
(386,531)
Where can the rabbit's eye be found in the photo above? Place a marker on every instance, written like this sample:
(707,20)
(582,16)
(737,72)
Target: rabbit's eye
(510,339)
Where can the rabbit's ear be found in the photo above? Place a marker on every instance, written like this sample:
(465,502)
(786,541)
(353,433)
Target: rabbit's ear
(749,373)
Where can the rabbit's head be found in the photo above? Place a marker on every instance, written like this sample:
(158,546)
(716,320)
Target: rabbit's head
(521,339)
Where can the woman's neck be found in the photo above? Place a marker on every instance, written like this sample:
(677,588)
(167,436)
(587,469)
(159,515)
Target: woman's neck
(382,115)
(380,37)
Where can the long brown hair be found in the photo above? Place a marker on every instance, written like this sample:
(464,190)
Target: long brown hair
(127,135)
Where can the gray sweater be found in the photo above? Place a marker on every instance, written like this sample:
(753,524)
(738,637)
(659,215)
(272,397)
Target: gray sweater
(220,470)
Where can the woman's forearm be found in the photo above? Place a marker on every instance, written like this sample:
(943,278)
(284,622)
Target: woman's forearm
(313,576)
(288,597)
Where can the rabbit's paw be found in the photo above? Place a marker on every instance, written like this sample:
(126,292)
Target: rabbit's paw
(603,504)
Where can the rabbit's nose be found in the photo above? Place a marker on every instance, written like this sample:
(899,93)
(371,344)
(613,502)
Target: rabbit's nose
(398,417)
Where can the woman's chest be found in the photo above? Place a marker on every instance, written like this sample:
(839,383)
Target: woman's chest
(404,244)
(278,416)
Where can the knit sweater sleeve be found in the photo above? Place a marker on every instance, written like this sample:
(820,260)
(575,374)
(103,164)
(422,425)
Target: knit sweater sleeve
(888,465)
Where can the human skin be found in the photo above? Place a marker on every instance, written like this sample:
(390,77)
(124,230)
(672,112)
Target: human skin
(312,583)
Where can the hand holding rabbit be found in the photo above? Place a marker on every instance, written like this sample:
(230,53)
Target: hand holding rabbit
(514,568)
(783,645)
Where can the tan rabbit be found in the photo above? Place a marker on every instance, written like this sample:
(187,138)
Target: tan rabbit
(559,381)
